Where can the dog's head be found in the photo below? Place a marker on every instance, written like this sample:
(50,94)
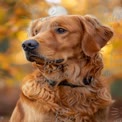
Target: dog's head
(64,37)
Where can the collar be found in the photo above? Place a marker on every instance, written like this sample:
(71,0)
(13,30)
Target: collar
(86,81)
(66,83)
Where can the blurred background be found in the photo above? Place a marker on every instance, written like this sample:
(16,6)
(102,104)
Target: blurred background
(15,16)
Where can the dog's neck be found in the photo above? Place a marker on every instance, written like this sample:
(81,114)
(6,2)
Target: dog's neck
(76,71)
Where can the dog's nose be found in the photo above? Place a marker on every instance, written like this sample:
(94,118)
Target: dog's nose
(30,45)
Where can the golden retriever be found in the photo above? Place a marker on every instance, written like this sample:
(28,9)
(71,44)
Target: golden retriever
(67,85)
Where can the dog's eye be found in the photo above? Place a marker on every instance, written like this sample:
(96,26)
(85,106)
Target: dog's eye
(60,30)
(35,32)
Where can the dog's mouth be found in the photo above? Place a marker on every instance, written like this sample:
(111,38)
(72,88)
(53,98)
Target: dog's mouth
(40,59)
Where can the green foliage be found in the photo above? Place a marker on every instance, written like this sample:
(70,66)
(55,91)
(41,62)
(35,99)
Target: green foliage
(116,88)
(4,45)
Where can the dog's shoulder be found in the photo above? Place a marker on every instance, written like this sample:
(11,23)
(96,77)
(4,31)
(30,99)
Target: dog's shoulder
(31,84)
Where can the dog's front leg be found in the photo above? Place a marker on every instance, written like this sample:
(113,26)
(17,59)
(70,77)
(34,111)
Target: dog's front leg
(18,113)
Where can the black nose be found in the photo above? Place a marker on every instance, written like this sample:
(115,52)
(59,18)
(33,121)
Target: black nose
(30,45)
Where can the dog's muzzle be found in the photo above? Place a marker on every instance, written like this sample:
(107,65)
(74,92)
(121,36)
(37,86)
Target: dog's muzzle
(30,46)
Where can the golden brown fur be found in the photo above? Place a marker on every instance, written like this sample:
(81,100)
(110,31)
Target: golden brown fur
(79,46)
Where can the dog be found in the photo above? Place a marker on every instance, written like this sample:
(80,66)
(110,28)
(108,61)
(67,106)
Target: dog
(66,85)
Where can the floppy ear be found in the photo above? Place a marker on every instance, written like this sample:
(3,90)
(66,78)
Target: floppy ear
(96,35)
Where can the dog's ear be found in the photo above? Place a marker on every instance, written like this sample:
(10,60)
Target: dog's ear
(95,36)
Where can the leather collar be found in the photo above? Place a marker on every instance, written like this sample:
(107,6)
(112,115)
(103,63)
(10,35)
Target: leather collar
(66,83)
(86,81)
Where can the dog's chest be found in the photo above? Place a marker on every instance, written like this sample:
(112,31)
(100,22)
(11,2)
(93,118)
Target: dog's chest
(32,115)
